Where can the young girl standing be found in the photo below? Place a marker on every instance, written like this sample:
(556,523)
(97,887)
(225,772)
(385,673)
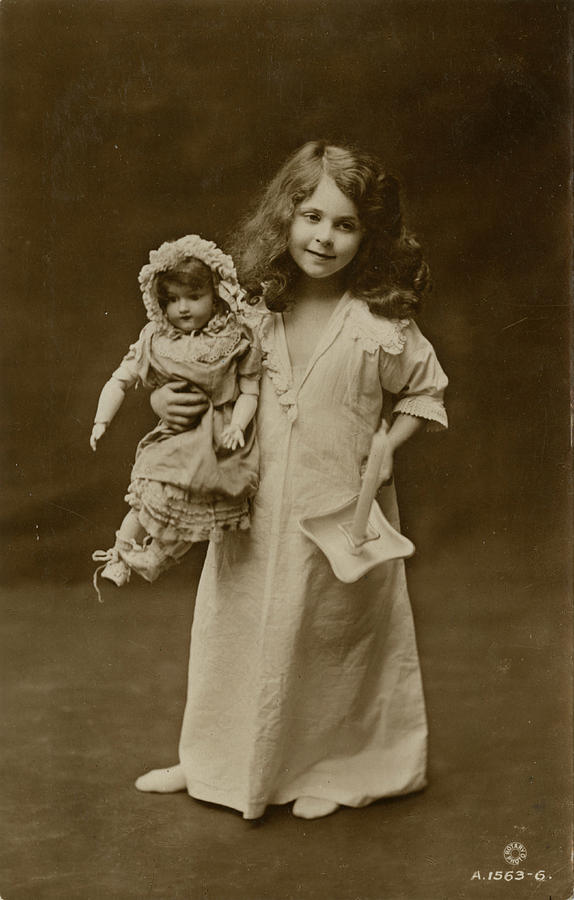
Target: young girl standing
(302,687)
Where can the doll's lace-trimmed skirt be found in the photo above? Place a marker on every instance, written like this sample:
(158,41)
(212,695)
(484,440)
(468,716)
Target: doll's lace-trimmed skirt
(171,513)
(186,487)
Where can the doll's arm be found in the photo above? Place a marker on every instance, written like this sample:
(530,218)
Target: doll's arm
(243,412)
(111,398)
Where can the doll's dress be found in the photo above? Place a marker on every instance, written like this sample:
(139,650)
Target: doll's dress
(187,486)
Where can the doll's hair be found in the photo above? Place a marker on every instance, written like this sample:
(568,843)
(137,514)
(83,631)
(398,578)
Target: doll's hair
(191,273)
(388,271)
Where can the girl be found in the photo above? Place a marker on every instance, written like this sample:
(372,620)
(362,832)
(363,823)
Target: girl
(193,485)
(301,687)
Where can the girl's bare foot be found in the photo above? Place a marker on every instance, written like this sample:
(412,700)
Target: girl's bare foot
(162,781)
(313,808)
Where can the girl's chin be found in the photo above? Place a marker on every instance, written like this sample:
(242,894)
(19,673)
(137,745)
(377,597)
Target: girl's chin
(320,274)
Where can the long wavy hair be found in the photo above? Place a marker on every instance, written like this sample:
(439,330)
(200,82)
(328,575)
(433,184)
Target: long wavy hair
(388,271)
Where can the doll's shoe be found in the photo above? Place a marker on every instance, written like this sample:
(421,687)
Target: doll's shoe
(147,560)
(152,558)
(113,568)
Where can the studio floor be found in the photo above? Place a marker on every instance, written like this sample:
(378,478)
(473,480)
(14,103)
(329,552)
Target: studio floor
(94,696)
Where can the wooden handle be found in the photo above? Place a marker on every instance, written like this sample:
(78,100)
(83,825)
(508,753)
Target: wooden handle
(369,487)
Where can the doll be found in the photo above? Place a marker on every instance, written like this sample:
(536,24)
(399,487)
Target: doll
(192,485)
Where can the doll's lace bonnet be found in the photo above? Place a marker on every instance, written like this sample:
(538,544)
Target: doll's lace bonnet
(170,256)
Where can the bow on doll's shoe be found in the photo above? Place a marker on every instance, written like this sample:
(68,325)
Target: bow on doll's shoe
(113,568)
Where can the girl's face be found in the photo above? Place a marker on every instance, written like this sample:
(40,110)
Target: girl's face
(188,308)
(325,232)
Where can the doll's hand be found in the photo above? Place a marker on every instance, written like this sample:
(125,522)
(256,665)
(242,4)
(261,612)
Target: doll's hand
(178,406)
(232,437)
(97,431)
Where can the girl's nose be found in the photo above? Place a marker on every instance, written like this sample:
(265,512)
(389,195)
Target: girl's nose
(323,234)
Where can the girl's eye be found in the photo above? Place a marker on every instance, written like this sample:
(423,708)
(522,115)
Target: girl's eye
(312,217)
(347,226)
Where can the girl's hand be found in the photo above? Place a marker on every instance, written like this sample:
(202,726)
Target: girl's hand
(232,437)
(387,459)
(178,406)
(386,470)
(98,430)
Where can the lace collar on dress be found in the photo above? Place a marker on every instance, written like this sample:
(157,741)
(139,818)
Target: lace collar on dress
(375,332)
(217,340)
(352,315)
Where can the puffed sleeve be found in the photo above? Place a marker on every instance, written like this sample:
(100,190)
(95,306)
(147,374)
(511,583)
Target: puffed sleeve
(416,378)
(249,366)
(133,367)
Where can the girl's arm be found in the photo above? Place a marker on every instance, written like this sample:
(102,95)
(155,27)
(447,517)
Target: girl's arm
(243,412)
(403,427)
(418,381)
(111,398)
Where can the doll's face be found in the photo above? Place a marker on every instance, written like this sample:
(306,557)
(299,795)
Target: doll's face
(188,308)
(325,232)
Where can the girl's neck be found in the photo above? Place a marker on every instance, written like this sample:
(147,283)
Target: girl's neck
(327,291)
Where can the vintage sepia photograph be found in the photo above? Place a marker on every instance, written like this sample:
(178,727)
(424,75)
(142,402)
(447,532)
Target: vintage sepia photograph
(287,459)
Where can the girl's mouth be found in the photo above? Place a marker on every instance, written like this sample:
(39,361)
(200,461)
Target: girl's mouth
(320,255)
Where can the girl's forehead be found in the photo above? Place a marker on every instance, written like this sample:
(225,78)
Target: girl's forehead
(330,198)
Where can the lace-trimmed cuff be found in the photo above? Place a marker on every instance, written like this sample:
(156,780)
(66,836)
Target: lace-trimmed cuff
(424,408)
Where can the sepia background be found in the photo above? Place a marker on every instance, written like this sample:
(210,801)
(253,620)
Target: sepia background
(128,122)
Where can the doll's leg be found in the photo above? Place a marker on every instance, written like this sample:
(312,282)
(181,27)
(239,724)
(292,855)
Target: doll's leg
(162,781)
(114,567)
(131,529)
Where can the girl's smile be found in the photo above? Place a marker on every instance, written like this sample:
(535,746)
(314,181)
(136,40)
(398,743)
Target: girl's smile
(325,232)
(188,309)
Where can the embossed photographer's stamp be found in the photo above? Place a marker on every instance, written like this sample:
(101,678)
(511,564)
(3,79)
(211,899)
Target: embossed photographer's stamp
(515,853)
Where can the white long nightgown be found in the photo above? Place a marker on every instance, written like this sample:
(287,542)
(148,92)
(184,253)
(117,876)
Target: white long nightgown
(300,685)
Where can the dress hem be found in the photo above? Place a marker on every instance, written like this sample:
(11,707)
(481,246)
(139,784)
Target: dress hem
(198,790)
